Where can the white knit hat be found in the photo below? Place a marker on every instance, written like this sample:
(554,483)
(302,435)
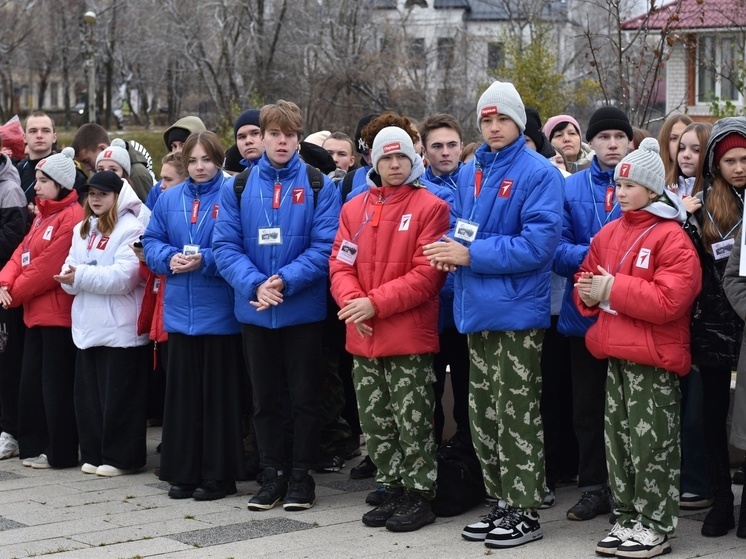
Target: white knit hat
(643,166)
(60,167)
(392,139)
(116,152)
(502,98)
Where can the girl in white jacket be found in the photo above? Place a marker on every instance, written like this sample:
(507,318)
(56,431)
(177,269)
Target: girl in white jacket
(102,272)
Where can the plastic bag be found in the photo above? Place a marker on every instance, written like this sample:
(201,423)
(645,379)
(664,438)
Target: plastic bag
(12,133)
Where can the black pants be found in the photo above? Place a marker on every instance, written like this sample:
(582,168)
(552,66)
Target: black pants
(588,396)
(454,351)
(46,414)
(11,361)
(202,435)
(285,359)
(715,405)
(560,444)
(111,394)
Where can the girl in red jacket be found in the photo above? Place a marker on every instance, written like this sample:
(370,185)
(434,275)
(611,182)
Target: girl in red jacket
(641,277)
(47,431)
(388,295)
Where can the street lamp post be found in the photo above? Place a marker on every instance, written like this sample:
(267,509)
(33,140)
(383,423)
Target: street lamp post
(90,19)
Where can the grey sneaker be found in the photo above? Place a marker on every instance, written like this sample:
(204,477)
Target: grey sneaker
(41,463)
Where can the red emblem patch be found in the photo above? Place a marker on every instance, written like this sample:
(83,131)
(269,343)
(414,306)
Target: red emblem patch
(505,187)
(625,169)
(102,243)
(393,146)
(299,196)
(489,110)
(107,154)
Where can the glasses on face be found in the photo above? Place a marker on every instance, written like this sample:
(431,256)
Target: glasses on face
(98,194)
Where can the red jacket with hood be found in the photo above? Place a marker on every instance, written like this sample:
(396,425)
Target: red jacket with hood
(391,269)
(657,276)
(48,242)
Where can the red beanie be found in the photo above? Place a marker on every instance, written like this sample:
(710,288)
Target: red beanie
(732,140)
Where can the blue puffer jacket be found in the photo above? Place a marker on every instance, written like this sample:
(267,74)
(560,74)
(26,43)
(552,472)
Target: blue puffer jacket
(507,285)
(584,215)
(302,260)
(449,181)
(199,302)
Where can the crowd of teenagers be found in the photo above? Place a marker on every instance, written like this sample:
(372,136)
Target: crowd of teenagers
(587,300)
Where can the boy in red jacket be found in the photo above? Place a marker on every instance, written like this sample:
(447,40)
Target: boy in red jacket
(641,277)
(388,295)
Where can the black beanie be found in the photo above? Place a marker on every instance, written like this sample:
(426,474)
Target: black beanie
(177,135)
(533,127)
(608,118)
(233,160)
(360,145)
(250,116)
(318,157)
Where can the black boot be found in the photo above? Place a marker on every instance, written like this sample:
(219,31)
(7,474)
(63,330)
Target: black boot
(741,532)
(720,518)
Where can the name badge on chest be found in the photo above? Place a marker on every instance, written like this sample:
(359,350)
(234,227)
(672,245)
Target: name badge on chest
(347,252)
(270,236)
(466,230)
(25,258)
(722,249)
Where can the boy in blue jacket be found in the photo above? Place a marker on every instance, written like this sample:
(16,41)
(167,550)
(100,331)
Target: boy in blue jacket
(509,209)
(273,247)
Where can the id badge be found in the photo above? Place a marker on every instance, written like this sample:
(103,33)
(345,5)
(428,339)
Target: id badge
(156,285)
(606,307)
(466,230)
(270,236)
(25,258)
(347,252)
(190,250)
(722,249)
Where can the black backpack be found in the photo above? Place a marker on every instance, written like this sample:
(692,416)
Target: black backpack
(315,179)
(460,484)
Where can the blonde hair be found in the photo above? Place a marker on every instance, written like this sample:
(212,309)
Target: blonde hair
(106,222)
(703,130)
(284,115)
(665,135)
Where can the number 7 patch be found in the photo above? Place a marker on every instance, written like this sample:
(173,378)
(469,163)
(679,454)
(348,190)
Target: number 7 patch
(405,221)
(643,259)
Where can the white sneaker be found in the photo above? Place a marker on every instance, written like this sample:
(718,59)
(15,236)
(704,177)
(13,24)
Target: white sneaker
(645,543)
(478,531)
(88,468)
(518,526)
(41,463)
(111,471)
(617,536)
(8,446)
(30,460)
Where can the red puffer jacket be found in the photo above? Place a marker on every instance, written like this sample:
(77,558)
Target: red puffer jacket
(390,268)
(33,286)
(657,276)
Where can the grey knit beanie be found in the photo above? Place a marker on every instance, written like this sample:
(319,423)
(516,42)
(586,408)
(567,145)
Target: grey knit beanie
(116,152)
(392,139)
(60,167)
(502,98)
(643,166)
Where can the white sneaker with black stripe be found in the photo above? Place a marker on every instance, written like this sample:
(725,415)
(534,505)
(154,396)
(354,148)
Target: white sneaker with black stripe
(617,536)
(517,527)
(478,531)
(645,543)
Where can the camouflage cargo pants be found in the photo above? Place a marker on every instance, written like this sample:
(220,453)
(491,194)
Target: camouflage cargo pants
(641,429)
(396,401)
(504,395)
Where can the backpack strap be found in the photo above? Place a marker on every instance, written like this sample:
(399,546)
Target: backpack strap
(240,183)
(316,180)
(347,185)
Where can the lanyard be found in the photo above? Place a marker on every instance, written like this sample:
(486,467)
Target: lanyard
(478,181)
(376,213)
(728,234)
(637,240)
(276,204)
(188,216)
(595,206)
(37,226)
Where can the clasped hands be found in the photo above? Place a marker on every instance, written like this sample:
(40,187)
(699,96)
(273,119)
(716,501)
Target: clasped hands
(594,288)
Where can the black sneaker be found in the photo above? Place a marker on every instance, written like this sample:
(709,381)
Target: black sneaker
(330,464)
(378,516)
(364,470)
(273,490)
(413,513)
(739,476)
(377,497)
(517,527)
(213,489)
(591,504)
(478,531)
(301,494)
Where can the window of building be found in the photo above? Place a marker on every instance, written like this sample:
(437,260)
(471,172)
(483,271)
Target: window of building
(417,53)
(445,53)
(54,95)
(718,62)
(413,3)
(495,55)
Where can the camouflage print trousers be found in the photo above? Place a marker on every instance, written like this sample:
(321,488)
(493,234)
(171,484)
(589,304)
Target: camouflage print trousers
(641,429)
(396,401)
(504,395)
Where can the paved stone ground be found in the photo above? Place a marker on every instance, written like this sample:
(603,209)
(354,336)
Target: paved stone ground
(65,514)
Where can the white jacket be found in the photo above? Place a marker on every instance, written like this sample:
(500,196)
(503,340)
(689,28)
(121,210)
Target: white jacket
(108,288)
